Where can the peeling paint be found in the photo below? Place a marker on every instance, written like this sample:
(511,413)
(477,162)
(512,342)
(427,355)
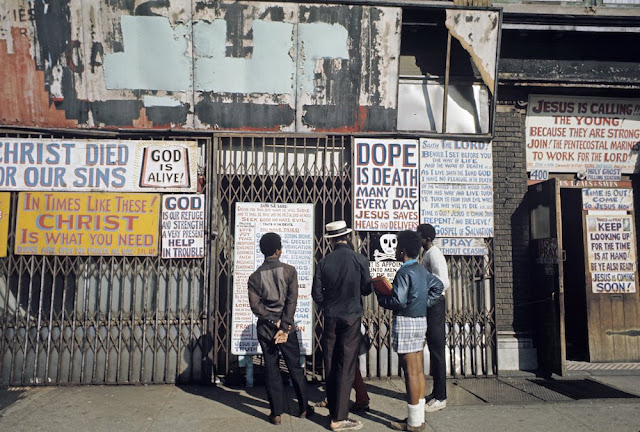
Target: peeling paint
(160,101)
(320,41)
(477,32)
(269,70)
(154,56)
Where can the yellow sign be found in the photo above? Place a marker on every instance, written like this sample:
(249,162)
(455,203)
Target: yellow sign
(5,205)
(59,223)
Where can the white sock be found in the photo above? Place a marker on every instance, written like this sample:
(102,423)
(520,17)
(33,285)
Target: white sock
(414,415)
(423,403)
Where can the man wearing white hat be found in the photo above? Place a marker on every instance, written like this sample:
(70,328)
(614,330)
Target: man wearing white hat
(340,279)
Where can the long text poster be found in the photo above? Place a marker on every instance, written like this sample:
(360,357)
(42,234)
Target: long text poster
(294,224)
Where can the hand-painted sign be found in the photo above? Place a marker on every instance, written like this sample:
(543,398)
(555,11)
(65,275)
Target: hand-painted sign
(611,254)
(572,134)
(607,199)
(456,187)
(461,246)
(384,262)
(386,184)
(55,223)
(294,224)
(97,165)
(5,205)
(183,226)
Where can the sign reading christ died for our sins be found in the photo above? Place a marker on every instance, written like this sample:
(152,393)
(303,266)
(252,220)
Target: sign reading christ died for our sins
(294,224)
(97,165)
(59,223)
(386,184)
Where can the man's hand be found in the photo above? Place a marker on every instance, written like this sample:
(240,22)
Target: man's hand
(281,337)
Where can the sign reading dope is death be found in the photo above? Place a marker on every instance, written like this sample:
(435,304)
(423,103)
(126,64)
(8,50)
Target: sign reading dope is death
(386,185)
(183,226)
(97,165)
(54,223)
(612,256)
(294,224)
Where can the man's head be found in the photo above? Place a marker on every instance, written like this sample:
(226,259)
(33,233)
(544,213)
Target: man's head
(427,232)
(408,245)
(337,231)
(270,243)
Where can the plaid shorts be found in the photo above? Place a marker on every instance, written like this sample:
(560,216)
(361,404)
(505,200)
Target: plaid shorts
(408,334)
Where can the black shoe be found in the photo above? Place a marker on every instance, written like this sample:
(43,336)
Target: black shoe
(307,413)
(357,407)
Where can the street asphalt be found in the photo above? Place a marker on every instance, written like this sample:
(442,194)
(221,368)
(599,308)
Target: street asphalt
(517,403)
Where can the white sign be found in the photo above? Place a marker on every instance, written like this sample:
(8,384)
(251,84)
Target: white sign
(611,254)
(386,184)
(603,174)
(97,165)
(456,187)
(461,246)
(607,199)
(572,134)
(183,226)
(294,224)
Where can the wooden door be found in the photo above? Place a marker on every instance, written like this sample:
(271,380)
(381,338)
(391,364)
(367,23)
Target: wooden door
(613,299)
(547,275)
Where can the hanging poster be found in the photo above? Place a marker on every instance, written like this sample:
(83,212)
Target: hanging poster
(456,187)
(183,226)
(294,224)
(572,134)
(59,223)
(98,165)
(611,254)
(607,199)
(385,184)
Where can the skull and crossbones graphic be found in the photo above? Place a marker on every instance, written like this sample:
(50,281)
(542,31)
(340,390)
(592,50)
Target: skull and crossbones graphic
(388,243)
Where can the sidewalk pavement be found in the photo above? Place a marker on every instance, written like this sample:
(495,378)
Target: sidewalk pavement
(518,403)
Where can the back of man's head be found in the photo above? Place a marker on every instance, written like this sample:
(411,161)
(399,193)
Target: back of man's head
(427,231)
(270,243)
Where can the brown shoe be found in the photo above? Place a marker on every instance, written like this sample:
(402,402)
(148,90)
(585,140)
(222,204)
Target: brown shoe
(404,426)
(275,419)
(323,403)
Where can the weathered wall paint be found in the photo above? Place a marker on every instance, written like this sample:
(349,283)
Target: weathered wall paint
(154,56)
(203,65)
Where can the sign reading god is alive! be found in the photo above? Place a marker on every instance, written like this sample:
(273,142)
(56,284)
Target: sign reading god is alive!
(612,256)
(386,184)
(294,224)
(97,165)
(183,226)
(55,223)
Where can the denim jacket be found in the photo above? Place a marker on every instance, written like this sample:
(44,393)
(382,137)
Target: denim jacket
(414,288)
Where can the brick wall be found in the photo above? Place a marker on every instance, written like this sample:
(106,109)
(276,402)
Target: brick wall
(511,254)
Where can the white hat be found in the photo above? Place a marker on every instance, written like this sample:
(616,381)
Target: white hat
(337,229)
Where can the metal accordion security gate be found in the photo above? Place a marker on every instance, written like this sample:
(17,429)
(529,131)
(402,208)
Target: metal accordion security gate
(128,319)
(318,170)
(103,319)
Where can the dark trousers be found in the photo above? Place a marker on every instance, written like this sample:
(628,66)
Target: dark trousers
(362,397)
(273,380)
(340,346)
(436,344)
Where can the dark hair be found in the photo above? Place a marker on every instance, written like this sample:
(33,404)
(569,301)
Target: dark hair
(270,243)
(410,242)
(427,231)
